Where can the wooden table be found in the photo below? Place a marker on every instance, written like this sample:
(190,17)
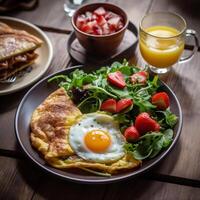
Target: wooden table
(176,177)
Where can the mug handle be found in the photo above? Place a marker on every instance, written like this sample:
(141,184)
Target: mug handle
(191,33)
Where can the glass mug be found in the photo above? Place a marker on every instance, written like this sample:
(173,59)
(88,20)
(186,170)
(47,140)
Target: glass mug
(162,39)
(70,6)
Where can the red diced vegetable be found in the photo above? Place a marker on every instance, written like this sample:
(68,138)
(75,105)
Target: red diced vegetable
(123,104)
(116,79)
(131,134)
(109,105)
(114,22)
(139,77)
(80,21)
(88,16)
(101,20)
(107,21)
(161,100)
(144,123)
(100,11)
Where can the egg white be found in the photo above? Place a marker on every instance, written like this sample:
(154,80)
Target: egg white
(97,121)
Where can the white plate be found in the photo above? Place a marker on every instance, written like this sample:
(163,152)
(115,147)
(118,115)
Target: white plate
(41,64)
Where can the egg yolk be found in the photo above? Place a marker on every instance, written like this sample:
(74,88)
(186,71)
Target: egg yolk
(97,141)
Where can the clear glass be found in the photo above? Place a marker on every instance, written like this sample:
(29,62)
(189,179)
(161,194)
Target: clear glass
(162,40)
(70,6)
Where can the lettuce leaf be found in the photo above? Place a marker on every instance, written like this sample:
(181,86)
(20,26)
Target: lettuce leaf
(150,144)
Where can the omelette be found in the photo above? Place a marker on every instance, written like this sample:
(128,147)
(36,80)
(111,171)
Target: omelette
(67,138)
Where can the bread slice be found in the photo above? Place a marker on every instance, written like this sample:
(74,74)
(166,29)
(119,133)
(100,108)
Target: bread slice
(16,48)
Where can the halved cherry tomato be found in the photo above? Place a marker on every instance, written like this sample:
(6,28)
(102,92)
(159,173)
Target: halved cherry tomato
(109,105)
(161,100)
(131,134)
(139,77)
(116,79)
(144,123)
(123,104)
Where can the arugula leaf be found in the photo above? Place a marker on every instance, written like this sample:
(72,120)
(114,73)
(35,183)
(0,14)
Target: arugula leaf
(163,143)
(130,147)
(157,146)
(62,80)
(122,118)
(97,89)
(147,145)
(80,78)
(150,144)
(168,137)
(126,70)
(115,66)
(170,118)
(59,78)
(153,85)
(142,151)
(118,92)
(144,106)
(90,104)
(102,71)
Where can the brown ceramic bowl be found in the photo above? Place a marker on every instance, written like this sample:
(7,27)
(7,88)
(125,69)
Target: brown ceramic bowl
(101,44)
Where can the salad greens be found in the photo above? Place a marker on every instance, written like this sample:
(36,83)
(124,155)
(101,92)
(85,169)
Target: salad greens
(150,144)
(89,90)
(96,85)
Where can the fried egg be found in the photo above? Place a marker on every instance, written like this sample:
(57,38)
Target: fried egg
(97,138)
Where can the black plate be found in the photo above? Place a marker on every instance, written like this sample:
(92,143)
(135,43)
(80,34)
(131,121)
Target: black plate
(36,96)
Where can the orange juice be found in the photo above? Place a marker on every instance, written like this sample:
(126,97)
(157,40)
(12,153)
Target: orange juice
(164,49)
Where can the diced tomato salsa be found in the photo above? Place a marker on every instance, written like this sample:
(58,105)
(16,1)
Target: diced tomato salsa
(99,22)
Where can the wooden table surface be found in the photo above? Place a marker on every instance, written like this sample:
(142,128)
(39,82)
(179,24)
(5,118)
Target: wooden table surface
(176,177)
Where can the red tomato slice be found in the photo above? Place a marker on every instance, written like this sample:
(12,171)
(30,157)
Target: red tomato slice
(139,77)
(109,105)
(131,134)
(161,100)
(144,123)
(116,79)
(123,104)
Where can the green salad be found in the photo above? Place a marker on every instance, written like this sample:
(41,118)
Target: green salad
(135,99)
